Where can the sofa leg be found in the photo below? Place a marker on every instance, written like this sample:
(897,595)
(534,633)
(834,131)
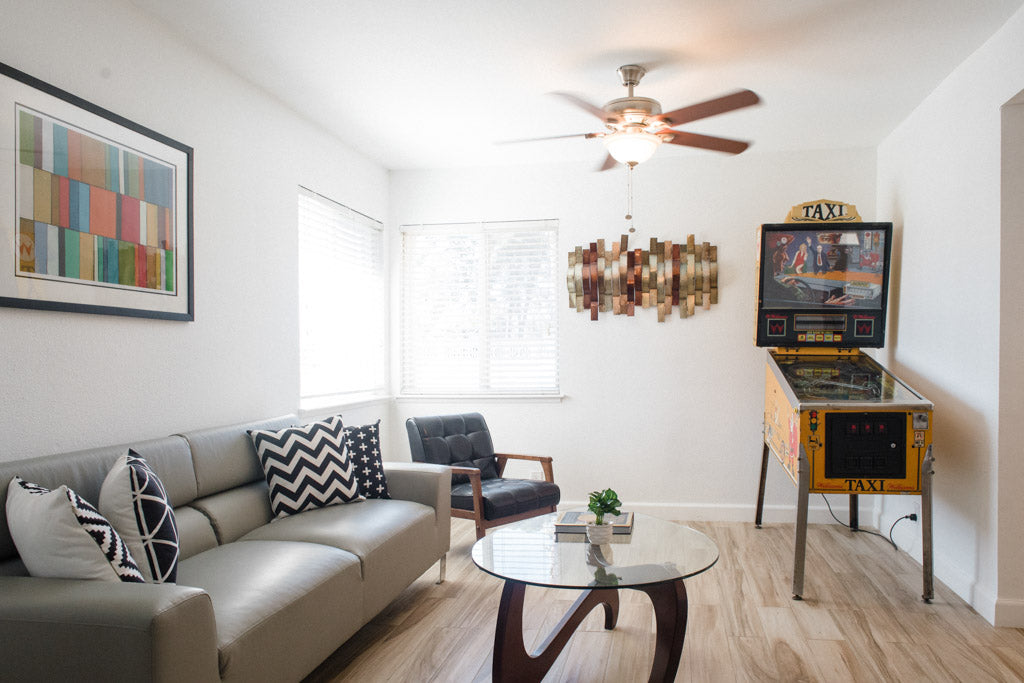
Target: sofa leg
(443,563)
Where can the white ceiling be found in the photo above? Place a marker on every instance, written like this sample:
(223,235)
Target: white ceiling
(435,84)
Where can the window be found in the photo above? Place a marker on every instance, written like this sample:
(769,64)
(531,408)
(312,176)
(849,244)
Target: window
(342,304)
(479,308)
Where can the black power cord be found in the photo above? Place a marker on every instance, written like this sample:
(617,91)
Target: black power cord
(912,517)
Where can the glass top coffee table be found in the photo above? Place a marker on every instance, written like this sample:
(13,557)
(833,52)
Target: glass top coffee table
(656,558)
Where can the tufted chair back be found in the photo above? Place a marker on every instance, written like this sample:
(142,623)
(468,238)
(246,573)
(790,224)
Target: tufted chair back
(461,440)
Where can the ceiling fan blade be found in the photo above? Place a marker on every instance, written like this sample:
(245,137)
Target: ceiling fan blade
(701,110)
(707,142)
(609,162)
(585,106)
(549,137)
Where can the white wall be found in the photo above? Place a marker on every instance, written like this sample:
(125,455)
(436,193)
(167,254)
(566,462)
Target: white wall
(1010,603)
(939,179)
(71,381)
(669,414)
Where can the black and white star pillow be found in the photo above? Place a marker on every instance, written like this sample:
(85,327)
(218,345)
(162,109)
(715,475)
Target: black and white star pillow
(364,447)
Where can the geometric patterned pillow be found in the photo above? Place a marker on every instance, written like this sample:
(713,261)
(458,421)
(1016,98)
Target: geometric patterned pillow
(60,535)
(134,500)
(306,467)
(364,445)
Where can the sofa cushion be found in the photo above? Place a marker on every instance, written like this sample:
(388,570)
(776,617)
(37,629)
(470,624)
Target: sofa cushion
(61,535)
(195,534)
(363,444)
(395,541)
(236,512)
(307,467)
(267,597)
(224,457)
(133,499)
(83,471)
(504,497)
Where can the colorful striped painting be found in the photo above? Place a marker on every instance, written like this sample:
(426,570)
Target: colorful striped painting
(90,210)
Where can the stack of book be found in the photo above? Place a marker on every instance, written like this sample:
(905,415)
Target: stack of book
(576,521)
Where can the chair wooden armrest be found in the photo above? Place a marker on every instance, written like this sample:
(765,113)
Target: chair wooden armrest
(544,460)
(478,492)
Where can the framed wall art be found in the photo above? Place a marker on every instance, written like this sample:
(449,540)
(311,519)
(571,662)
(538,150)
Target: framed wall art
(95,210)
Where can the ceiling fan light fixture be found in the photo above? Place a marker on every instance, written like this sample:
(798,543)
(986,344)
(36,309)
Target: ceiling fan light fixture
(631,147)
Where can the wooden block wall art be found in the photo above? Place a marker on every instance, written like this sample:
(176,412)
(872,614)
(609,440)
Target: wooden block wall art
(618,279)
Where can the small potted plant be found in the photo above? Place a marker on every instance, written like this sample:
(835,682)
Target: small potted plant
(602,503)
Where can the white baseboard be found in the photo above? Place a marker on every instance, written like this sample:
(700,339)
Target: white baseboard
(1009,613)
(773,514)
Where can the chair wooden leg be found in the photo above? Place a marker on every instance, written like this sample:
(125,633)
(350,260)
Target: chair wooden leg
(480,531)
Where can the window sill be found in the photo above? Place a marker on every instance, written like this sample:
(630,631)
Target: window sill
(334,404)
(426,398)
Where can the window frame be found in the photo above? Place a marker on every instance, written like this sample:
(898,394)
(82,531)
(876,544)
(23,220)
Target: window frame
(484,386)
(352,222)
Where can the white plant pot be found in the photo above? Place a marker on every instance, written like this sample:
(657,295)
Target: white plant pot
(599,534)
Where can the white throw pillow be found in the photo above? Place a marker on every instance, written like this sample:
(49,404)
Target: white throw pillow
(60,535)
(134,500)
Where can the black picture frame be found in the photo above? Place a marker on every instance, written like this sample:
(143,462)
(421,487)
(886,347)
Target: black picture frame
(96,211)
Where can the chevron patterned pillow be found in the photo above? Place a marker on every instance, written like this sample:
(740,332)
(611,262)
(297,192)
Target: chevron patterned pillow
(134,500)
(60,535)
(364,445)
(307,467)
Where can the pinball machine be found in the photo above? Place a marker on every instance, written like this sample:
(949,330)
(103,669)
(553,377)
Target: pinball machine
(836,420)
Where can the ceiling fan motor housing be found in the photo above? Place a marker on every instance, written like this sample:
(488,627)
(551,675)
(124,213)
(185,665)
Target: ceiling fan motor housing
(632,109)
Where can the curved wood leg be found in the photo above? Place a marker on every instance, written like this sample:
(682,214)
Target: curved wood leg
(670,605)
(511,660)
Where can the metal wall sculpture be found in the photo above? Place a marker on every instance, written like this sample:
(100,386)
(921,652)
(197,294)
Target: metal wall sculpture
(666,275)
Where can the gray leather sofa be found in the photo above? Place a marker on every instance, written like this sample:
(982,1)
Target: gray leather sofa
(254,600)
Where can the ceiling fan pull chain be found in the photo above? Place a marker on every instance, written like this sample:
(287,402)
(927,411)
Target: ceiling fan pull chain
(629,196)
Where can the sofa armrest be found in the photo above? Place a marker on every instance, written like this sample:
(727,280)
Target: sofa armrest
(64,629)
(422,483)
(428,484)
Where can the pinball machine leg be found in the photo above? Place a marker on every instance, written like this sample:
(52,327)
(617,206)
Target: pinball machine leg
(927,472)
(800,540)
(760,488)
(854,512)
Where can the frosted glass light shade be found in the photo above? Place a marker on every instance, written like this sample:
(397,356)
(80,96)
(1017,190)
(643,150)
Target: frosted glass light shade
(631,148)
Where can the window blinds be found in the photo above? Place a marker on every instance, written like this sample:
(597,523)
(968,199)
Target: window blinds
(342,302)
(479,308)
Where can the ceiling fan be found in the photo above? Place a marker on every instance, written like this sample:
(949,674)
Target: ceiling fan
(636,126)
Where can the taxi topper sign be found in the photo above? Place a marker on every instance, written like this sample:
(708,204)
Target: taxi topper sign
(823,211)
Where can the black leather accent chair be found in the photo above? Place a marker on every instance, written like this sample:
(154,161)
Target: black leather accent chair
(479,492)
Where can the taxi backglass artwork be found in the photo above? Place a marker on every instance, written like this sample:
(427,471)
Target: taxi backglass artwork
(824,285)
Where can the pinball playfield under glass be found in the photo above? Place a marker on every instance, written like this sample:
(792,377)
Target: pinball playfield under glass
(828,379)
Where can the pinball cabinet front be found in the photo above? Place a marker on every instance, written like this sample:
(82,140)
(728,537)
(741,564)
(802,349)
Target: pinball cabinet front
(862,428)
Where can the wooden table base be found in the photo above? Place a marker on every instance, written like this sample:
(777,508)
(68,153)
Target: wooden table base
(513,663)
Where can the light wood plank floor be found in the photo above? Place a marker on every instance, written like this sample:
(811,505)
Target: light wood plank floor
(862,619)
